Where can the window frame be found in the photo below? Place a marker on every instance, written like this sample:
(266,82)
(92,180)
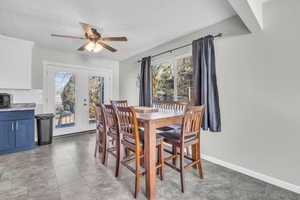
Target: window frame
(172,61)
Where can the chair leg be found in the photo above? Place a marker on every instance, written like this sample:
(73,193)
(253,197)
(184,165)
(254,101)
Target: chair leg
(104,151)
(118,159)
(200,170)
(194,154)
(162,161)
(96,146)
(100,142)
(158,159)
(137,185)
(200,163)
(137,174)
(100,149)
(182,169)
(174,151)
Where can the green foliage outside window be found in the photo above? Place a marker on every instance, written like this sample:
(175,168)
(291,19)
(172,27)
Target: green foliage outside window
(184,78)
(166,76)
(96,87)
(162,82)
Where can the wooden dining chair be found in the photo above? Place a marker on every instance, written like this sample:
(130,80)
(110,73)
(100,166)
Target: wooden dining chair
(112,134)
(119,103)
(100,130)
(187,136)
(172,106)
(133,139)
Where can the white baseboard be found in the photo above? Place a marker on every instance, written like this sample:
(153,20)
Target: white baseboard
(262,177)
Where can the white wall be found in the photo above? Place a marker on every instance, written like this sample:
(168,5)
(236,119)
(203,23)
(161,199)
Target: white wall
(26,96)
(258,79)
(42,54)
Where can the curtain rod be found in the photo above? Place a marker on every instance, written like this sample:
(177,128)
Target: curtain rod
(171,50)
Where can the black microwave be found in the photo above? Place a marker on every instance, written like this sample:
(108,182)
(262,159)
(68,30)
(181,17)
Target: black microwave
(5,100)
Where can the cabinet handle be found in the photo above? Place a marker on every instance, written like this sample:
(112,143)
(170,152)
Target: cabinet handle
(12,126)
(17,125)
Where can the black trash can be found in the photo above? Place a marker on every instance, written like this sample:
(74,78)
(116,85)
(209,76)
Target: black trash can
(44,128)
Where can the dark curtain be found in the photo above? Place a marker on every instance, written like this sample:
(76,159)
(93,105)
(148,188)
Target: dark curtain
(205,82)
(145,82)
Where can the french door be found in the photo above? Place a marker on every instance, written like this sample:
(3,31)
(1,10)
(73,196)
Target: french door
(70,93)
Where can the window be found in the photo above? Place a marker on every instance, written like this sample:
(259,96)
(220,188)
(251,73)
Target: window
(173,80)
(96,95)
(162,82)
(64,100)
(184,78)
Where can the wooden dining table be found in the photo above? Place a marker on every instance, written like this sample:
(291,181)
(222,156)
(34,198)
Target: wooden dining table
(150,122)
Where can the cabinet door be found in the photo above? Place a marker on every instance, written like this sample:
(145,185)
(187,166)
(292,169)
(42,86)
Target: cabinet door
(15,53)
(24,132)
(6,135)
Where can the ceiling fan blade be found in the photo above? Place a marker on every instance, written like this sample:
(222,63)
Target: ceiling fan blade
(68,36)
(114,39)
(86,27)
(107,46)
(82,48)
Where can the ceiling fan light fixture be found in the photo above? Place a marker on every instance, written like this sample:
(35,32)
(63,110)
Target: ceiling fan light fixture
(94,42)
(90,46)
(97,48)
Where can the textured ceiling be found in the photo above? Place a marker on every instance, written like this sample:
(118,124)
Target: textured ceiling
(146,23)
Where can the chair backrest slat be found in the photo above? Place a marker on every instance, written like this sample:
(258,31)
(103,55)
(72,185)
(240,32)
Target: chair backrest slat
(172,106)
(119,103)
(100,120)
(192,121)
(110,117)
(128,123)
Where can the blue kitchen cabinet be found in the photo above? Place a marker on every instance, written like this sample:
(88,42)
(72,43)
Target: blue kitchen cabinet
(24,132)
(16,131)
(6,135)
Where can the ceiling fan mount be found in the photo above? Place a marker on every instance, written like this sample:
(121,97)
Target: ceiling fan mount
(95,41)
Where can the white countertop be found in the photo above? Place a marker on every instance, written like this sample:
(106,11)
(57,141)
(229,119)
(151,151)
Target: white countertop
(19,106)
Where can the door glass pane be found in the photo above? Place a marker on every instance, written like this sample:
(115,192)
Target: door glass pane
(64,100)
(184,79)
(162,82)
(96,95)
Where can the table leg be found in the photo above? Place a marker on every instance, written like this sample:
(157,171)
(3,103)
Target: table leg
(150,159)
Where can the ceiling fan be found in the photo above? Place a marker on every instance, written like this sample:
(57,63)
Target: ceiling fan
(95,41)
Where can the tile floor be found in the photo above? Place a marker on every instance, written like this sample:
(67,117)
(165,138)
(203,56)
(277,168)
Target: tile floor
(67,170)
